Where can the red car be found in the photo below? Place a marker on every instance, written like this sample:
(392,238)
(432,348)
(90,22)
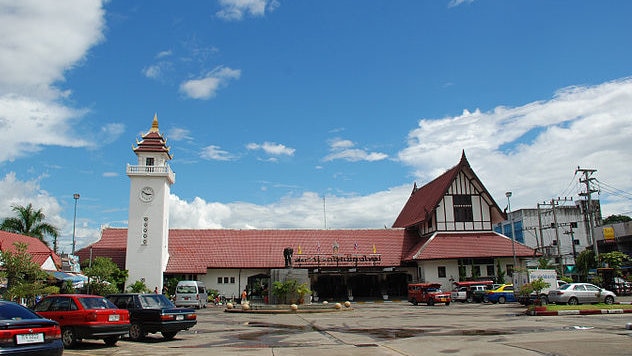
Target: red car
(84,316)
(429,293)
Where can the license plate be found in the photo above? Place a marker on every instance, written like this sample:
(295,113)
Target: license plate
(114,317)
(29,338)
(179,317)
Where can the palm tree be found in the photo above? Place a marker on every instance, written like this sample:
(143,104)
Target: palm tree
(29,222)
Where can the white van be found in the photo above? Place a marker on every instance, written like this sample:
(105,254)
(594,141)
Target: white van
(191,294)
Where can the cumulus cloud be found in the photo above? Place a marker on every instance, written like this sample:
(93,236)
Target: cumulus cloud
(40,41)
(206,87)
(534,149)
(178,134)
(293,212)
(344,149)
(235,10)
(215,153)
(272,148)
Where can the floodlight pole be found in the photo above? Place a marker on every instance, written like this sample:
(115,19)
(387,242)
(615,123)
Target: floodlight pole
(513,232)
(74,222)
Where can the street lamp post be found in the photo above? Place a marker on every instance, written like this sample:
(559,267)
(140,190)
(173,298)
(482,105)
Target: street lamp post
(513,233)
(74,222)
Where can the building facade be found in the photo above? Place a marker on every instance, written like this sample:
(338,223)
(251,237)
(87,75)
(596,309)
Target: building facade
(443,234)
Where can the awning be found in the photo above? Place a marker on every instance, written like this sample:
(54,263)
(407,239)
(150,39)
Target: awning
(77,279)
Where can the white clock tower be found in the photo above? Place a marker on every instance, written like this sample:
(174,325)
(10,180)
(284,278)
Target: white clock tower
(148,221)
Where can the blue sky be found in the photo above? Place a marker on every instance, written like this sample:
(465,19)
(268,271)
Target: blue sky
(279,113)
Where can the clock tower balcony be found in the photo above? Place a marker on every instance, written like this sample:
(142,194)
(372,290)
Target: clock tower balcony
(151,171)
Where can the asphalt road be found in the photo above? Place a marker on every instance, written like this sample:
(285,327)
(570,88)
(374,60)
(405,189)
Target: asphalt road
(395,328)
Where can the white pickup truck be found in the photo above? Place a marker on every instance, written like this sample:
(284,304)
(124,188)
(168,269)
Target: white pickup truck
(470,291)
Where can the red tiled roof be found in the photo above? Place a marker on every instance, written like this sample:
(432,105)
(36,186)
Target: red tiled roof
(36,248)
(450,245)
(423,201)
(193,251)
(112,244)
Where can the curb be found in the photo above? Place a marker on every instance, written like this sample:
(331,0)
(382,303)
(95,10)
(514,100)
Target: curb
(578,312)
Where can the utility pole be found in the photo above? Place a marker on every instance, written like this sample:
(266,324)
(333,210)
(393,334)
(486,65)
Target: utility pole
(586,180)
(541,232)
(572,233)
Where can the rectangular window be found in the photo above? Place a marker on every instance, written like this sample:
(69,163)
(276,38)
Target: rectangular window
(441,271)
(149,161)
(219,280)
(232,280)
(226,280)
(490,270)
(462,208)
(509,269)
(476,271)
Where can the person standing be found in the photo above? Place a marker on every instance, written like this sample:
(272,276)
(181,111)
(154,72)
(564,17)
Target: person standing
(244,295)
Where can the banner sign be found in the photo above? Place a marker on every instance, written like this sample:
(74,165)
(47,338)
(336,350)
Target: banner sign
(348,260)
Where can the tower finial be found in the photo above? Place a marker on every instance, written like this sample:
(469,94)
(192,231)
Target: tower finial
(154,124)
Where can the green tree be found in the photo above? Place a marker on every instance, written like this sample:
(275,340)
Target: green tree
(29,222)
(613,219)
(138,287)
(25,279)
(614,259)
(104,276)
(500,274)
(584,262)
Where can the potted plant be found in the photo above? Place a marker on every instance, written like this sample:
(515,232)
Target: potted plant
(302,290)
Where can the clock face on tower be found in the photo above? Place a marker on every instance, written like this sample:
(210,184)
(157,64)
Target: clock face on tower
(146,194)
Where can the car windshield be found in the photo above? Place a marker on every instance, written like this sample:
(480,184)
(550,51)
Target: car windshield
(564,286)
(96,303)
(433,290)
(153,301)
(15,312)
(186,289)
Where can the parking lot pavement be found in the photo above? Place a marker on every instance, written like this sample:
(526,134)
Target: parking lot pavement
(396,328)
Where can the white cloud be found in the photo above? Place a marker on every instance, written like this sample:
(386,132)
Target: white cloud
(533,150)
(343,149)
(455,3)
(215,153)
(40,41)
(272,148)
(207,86)
(179,134)
(234,10)
(304,211)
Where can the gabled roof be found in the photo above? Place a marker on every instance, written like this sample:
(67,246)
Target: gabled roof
(37,249)
(450,245)
(424,200)
(193,251)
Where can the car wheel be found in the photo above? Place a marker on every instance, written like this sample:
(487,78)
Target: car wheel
(430,302)
(485,299)
(501,300)
(136,332)
(169,335)
(573,301)
(414,302)
(68,337)
(544,300)
(111,340)
(608,300)
(469,299)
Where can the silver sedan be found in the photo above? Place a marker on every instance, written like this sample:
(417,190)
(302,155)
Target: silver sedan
(580,293)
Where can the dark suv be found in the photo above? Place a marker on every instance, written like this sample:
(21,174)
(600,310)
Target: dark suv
(152,313)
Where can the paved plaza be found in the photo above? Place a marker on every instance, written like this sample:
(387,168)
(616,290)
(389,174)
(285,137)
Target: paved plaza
(395,328)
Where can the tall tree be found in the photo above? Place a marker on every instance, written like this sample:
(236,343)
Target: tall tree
(613,219)
(25,279)
(30,222)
